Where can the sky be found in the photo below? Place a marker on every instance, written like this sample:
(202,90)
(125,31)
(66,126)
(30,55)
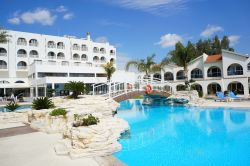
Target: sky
(137,28)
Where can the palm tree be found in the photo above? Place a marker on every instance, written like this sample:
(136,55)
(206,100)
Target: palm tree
(148,66)
(3,35)
(109,69)
(76,87)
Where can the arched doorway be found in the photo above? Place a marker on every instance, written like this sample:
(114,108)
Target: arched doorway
(236,87)
(213,88)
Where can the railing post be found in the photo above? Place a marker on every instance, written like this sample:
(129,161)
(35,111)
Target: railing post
(125,87)
(93,89)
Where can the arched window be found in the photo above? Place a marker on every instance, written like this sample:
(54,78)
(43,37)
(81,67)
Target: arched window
(168,76)
(112,52)
(84,47)
(76,47)
(248,66)
(33,54)
(21,53)
(214,72)
(51,44)
(180,75)
(60,45)
(213,88)
(103,59)
(51,55)
(196,73)
(76,57)
(180,87)
(236,87)
(33,42)
(112,60)
(3,52)
(198,88)
(95,58)
(234,69)
(60,55)
(19,81)
(3,64)
(84,57)
(21,41)
(157,76)
(21,65)
(4,82)
(95,50)
(102,51)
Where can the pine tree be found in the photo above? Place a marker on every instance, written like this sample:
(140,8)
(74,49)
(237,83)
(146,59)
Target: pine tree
(216,46)
(225,43)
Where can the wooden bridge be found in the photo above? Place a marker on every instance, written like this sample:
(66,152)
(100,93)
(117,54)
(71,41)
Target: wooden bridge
(133,94)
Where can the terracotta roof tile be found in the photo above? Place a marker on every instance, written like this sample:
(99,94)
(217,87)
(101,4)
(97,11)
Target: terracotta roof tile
(213,58)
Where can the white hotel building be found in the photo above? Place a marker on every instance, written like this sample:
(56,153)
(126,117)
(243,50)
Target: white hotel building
(31,62)
(228,71)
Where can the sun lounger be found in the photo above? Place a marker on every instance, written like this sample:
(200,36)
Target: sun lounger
(234,97)
(221,97)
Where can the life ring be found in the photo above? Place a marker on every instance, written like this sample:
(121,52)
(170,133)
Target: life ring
(149,89)
(129,86)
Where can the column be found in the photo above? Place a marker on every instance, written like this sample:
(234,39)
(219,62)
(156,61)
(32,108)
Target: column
(36,91)
(31,92)
(45,90)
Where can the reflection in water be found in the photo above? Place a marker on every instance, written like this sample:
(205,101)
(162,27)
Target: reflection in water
(189,129)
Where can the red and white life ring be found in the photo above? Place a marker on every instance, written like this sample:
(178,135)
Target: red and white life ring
(129,86)
(149,89)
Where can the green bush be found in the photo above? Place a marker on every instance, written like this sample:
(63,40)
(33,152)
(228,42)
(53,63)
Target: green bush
(76,87)
(42,103)
(58,111)
(85,121)
(12,106)
(200,93)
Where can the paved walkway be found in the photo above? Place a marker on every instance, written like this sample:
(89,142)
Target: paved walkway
(16,131)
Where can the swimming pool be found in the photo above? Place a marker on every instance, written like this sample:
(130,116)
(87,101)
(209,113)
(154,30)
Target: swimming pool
(184,136)
(2,109)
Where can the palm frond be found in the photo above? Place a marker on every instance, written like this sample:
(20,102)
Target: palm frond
(131,63)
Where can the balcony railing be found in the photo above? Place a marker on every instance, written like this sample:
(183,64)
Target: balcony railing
(34,56)
(84,59)
(22,55)
(76,48)
(60,47)
(3,66)
(3,54)
(84,49)
(21,67)
(76,58)
(34,44)
(60,57)
(51,57)
(102,52)
(112,53)
(22,43)
(51,46)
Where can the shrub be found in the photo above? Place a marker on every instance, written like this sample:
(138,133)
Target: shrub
(85,121)
(12,106)
(58,111)
(76,87)
(200,93)
(42,103)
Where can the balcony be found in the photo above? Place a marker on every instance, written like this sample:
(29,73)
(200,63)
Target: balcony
(33,44)
(60,47)
(76,48)
(76,58)
(34,56)
(84,49)
(21,67)
(22,55)
(60,57)
(51,46)
(3,54)
(3,66)
(51,57)
(21,43)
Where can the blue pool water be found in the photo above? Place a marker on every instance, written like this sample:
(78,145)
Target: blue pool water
(184,136)
(2,109)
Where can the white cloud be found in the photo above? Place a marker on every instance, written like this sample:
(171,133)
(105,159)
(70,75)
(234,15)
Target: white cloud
(234,39)
(157,7)
(61,9)
(210,30)
(101,39)
(169,40)
(68,16)
(14,20)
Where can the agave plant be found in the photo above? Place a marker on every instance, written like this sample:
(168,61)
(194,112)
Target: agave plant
(76,87)
(12,106)
(42,103)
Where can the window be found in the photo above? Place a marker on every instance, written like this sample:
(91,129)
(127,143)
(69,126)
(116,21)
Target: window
(112,52)
(95,50)
(60,55)
(22,53)
(84,57)
(33,54)
(33,42)
(21,65)
(76,47)
(52,74)
(234,69)
(103,59)
(81,74)
(76,57)
(84,47)
(21,41)
(213,88)
(60,45)
(51,55)
(196,73)
(236,87)
(168,76)
(19,81)
(51,44)
(3,64)
(180,75)
(214,72)
(96,58)
(157,76)
(3,52)
(248,66)
(102,51)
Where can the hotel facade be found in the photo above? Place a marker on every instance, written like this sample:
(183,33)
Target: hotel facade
(211,73)
(30,63)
